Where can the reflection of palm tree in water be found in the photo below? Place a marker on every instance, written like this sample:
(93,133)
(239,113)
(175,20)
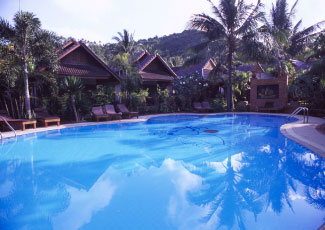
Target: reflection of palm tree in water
(282,168)
(271,175)
(228,198)
(28,195)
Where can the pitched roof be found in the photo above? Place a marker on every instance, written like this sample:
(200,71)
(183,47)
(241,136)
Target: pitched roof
(246,68)
(181,71)
(140,54)
(154,77)
(71,46)
(80,70)
(149,59)
(300,65)
(257,68)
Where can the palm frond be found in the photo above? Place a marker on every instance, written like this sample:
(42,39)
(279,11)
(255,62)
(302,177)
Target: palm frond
(293,10)
(211,26)
(218,14)
(6,30)
(251,21)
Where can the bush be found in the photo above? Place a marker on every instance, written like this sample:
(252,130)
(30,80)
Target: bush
(241,106)
(188,89)
(104,95)
(219,105)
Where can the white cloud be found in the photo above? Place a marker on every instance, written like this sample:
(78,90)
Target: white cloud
(84,204)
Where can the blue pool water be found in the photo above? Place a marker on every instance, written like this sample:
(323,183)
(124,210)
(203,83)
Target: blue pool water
(166,173)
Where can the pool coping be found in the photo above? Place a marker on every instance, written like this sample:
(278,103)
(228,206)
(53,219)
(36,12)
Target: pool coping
(304,134)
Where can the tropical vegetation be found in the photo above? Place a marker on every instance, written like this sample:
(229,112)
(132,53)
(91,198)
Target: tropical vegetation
(237,33)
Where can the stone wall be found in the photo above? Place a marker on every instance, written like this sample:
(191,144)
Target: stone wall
(282,81)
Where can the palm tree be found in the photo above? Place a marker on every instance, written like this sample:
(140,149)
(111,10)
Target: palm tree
(125,41)
(283,39)
(233,20)
(73,86)
(31,46)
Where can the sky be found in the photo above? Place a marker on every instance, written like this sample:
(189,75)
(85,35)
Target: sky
(100,20)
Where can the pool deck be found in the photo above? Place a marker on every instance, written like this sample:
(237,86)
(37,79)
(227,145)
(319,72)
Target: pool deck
(304,134)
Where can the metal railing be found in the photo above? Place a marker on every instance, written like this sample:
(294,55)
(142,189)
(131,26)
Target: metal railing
(298,110)
(11,128)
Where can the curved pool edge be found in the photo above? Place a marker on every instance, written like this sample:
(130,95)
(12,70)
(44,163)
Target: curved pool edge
(303,134)
(306,134)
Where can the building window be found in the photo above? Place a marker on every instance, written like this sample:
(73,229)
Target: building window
(268,92)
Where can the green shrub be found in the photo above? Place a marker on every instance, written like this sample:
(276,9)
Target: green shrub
(241,106)
(104,95)
(187,89)
(219,105)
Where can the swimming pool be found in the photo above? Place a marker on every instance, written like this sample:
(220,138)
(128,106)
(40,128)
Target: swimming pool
(166,173)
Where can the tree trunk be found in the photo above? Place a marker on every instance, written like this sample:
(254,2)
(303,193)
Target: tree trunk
(73,101)
(229,87)
(27,96)
(12,114)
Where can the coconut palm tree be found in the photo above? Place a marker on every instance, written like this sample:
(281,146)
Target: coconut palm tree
(125,41)
(281,36)
(233,19)
(32,47)
(73,86)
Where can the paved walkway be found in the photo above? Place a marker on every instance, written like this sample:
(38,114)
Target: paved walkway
(304,134)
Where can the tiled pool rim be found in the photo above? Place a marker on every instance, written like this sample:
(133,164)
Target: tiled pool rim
(304,134)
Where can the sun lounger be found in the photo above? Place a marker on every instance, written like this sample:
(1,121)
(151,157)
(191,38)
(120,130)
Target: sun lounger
(125,112)
(99,114)
(43,117)
(20,122)
(110,110)
(206,106)
(198,107)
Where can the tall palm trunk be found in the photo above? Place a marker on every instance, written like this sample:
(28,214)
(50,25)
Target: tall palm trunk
(11,104)
(229,87)
(73,101)
(27,96)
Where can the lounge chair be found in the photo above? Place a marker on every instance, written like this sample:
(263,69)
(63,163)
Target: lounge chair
(99,114)
(20,122)
(125,112)
(198,107)
(206,105)
(43,117)
(110,110)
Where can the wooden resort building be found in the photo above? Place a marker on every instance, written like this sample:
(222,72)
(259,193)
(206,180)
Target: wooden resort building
(153,71)
(268,92)
(203,69)
(76,59)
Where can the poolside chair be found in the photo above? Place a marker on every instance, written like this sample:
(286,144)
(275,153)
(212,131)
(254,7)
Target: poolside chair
(43,116)
(206,105)
(20,122)
(198,107)
(99,114)
(125,112)
(110,110)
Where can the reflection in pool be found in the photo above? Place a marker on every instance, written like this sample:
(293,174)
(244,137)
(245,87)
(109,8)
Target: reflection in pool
(166,173)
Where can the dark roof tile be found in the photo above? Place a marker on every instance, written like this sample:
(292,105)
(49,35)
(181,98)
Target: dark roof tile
(81,70)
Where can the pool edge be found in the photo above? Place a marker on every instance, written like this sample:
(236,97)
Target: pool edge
(303,134)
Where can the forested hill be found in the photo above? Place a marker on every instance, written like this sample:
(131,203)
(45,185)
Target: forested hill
(176,48)
(178,44)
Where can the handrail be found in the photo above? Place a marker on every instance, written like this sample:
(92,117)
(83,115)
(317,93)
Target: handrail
(298,110)
(12,129)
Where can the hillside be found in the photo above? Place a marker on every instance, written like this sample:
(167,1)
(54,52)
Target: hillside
(176,48)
